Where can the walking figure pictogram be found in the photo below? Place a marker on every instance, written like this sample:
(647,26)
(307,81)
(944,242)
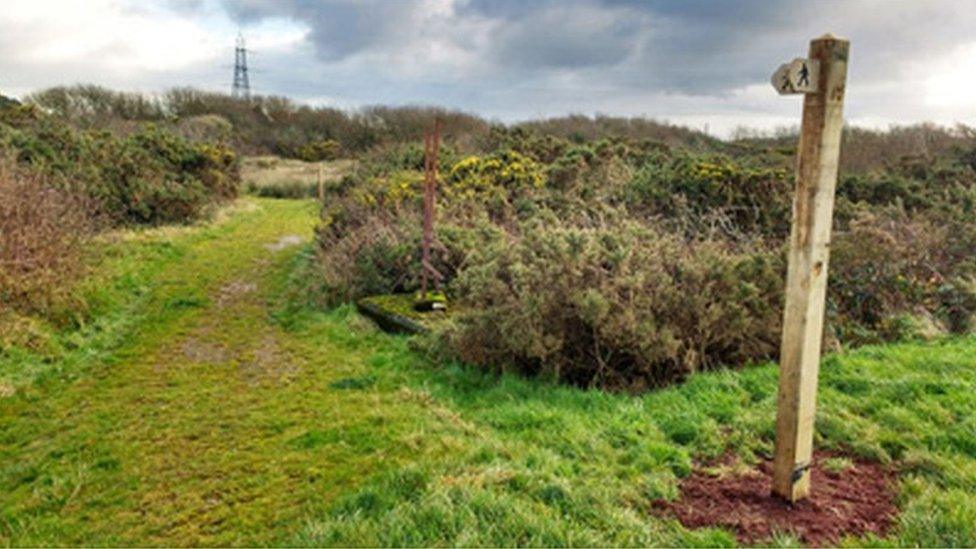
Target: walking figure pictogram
(804,76)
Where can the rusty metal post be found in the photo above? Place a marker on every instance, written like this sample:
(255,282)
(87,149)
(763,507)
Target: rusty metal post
(425,245)
(431,153)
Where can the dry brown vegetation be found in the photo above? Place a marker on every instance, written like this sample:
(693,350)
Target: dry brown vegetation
(260,126)
(41,229)
(580,128)
(865,150)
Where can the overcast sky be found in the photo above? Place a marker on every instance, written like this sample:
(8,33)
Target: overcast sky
(686,61)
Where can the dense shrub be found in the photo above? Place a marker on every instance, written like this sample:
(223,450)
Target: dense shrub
(88,105)
(584,129)
(619,305)
(41,230)
(317,151)
(369,242)
(686,188)
(894,276)
(628,263)
(275,125)
(149,176)
(863,150)
(285,189)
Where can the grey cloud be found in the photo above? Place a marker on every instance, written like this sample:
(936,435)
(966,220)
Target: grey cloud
(688,46)
(681,46)
(339,28)
(518,58)
(569,37)
(712,48)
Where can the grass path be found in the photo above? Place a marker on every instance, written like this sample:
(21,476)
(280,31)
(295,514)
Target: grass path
(204,426)
(218,414)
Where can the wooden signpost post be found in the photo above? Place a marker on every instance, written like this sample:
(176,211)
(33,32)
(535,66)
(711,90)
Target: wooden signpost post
(822,78)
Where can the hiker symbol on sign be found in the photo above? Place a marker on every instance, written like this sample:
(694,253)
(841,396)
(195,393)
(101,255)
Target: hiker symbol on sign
(797,76)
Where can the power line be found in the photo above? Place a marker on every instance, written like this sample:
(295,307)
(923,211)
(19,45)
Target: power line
(242,84)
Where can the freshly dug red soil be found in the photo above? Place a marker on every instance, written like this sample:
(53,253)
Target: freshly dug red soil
(855,501)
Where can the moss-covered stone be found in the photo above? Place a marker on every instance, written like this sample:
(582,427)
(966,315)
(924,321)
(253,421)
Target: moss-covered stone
(397,312)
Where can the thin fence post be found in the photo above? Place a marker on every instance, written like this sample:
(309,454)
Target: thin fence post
(319,184)
(806,279)
(425,244)
(432,143)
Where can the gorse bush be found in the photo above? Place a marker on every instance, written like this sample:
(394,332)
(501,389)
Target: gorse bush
(369,238)
(895,276)
(502,175)
(317,151)
(150,176)
(683,187)
(627,263)
(622,304)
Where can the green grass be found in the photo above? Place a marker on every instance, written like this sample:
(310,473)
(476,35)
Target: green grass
(201,408)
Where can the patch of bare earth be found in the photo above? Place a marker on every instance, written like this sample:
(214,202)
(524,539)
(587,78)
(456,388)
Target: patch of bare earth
(231,291)
(268,362)
(853,501)
(286,241)
(203,352)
